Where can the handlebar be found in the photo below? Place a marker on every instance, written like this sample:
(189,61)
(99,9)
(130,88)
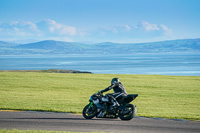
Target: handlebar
(99,93)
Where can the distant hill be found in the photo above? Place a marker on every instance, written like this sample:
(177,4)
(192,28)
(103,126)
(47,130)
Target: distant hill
(59,47)
(7,44)
(54,47)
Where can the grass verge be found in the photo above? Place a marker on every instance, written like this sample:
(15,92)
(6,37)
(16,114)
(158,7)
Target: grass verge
(173,97)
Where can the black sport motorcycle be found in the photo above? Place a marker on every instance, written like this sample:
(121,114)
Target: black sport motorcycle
(101,107)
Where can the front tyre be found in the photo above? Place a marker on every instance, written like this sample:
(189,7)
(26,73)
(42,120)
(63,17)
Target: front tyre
(128,112)
(89,111)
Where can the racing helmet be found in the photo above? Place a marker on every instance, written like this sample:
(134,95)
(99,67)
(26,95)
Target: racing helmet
(114,81)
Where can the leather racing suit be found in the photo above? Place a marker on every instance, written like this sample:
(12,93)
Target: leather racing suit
(119,92)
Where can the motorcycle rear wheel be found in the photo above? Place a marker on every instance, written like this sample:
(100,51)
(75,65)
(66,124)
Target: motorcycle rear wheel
(89,111)
(128,112)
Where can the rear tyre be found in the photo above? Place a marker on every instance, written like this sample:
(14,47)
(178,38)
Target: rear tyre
(128,112)
(89,111)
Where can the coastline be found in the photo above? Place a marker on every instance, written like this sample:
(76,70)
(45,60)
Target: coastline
(48,71)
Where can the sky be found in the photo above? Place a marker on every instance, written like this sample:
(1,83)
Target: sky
(94,21)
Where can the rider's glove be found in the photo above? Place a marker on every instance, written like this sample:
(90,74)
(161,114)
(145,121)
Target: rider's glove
(99,92)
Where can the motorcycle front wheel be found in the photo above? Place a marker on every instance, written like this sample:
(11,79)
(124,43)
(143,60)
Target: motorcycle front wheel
(128,112)
(89,111)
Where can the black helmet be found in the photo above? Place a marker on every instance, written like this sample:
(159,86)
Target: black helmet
(114,80)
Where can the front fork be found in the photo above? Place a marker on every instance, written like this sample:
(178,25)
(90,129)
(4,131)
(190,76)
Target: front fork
(90,104)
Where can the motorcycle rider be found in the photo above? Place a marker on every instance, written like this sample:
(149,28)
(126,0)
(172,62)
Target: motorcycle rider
(119,91)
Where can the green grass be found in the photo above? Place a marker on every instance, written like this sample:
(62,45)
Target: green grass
(37,131)
(176,97)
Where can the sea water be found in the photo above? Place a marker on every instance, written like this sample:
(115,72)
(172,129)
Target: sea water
(154,64)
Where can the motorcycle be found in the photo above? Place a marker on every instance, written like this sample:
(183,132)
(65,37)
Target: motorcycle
(101,107)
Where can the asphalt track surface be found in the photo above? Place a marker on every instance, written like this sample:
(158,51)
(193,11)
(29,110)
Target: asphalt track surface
(28,120)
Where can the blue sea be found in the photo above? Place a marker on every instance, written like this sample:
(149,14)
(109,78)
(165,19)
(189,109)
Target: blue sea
(152,64)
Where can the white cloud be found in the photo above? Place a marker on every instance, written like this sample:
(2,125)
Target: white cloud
(142,31)
(147,26)
(166,30)
(61,29)
(116,29)
(50,29)
(159,28)
(128,28)
(44,29)
(18,29)
(24,25)
(143,26)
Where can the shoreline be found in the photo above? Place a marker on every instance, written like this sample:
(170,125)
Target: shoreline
(48,71)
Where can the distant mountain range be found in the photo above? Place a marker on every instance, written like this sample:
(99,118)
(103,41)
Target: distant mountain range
(58,47)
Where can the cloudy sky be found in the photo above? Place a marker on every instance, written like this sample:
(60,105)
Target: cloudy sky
(122,21)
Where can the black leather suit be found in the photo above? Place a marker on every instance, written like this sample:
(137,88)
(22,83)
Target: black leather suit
(119,91)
